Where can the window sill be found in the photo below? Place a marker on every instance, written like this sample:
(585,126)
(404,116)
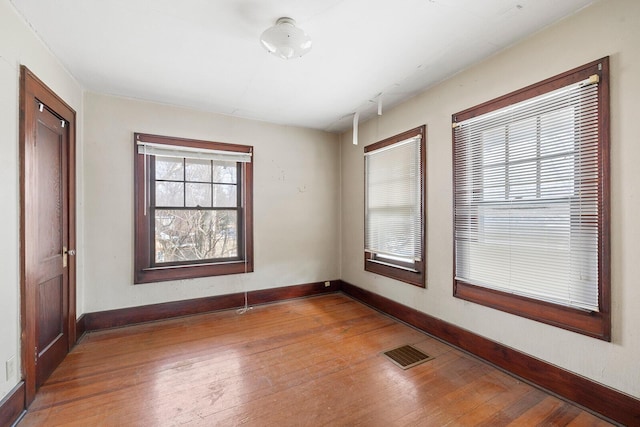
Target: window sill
(412,276)
(593,324)
(191,271)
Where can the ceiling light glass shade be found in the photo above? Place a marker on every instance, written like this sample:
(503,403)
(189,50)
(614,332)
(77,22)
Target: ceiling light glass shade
(286,40)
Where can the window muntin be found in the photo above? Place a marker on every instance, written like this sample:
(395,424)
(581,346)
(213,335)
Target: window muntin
(196,207)
(532,158)
(531,223)
(394,193)
(193,208)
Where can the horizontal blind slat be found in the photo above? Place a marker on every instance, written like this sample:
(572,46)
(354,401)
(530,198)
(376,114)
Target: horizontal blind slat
(393,200)
(527,198)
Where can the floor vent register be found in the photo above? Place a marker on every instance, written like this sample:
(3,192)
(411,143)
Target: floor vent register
(407,356)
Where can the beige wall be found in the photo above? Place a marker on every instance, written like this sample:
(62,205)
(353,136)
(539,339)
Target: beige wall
(18,46)
(308,192)
(610,27)
(296,202)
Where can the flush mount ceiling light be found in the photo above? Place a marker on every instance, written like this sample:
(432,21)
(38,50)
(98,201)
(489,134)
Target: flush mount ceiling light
(285,39)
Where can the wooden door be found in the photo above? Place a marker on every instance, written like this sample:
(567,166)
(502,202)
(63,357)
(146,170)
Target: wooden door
(51,257)
(48,237)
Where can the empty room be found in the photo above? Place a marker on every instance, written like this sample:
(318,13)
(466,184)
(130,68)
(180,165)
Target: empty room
(344,212)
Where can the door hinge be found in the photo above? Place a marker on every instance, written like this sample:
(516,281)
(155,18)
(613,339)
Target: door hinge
(35,355)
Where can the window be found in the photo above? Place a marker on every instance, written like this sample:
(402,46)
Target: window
(394,207)
(531,202)
(193,208)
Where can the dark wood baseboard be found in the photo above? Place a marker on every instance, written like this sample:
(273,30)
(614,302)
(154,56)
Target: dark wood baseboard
(81,327)
(606,401)
(148,313)
(12,406)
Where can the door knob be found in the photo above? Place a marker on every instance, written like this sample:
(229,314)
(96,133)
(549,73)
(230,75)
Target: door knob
(65,253)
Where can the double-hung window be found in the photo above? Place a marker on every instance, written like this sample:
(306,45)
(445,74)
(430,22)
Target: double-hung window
(394,207)
(193,208)
(531,202)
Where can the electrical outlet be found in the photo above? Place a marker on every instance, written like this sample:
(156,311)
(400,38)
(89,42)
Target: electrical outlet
(327,284)
(10,366)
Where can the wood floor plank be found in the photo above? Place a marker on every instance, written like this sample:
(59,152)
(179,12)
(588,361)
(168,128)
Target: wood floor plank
(315,361)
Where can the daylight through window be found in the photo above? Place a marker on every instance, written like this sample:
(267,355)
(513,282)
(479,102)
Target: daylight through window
(530,216)
(394,211)
(193,205)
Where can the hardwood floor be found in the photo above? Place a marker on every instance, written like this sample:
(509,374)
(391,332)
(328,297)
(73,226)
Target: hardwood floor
(313,361)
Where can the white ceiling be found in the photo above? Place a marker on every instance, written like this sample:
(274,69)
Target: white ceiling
(206,54)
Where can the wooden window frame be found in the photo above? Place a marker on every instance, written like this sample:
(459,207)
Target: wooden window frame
(590,323)
(414,274)
(144,269)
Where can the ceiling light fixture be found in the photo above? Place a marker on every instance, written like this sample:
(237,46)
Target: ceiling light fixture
(285,39)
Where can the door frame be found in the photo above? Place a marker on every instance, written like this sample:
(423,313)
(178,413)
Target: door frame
(33,89)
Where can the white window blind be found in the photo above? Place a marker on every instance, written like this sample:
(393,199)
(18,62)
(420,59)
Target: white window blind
(164,150)
(393,201)
(527,197)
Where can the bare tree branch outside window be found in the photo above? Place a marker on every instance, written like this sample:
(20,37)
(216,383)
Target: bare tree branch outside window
(196,210)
